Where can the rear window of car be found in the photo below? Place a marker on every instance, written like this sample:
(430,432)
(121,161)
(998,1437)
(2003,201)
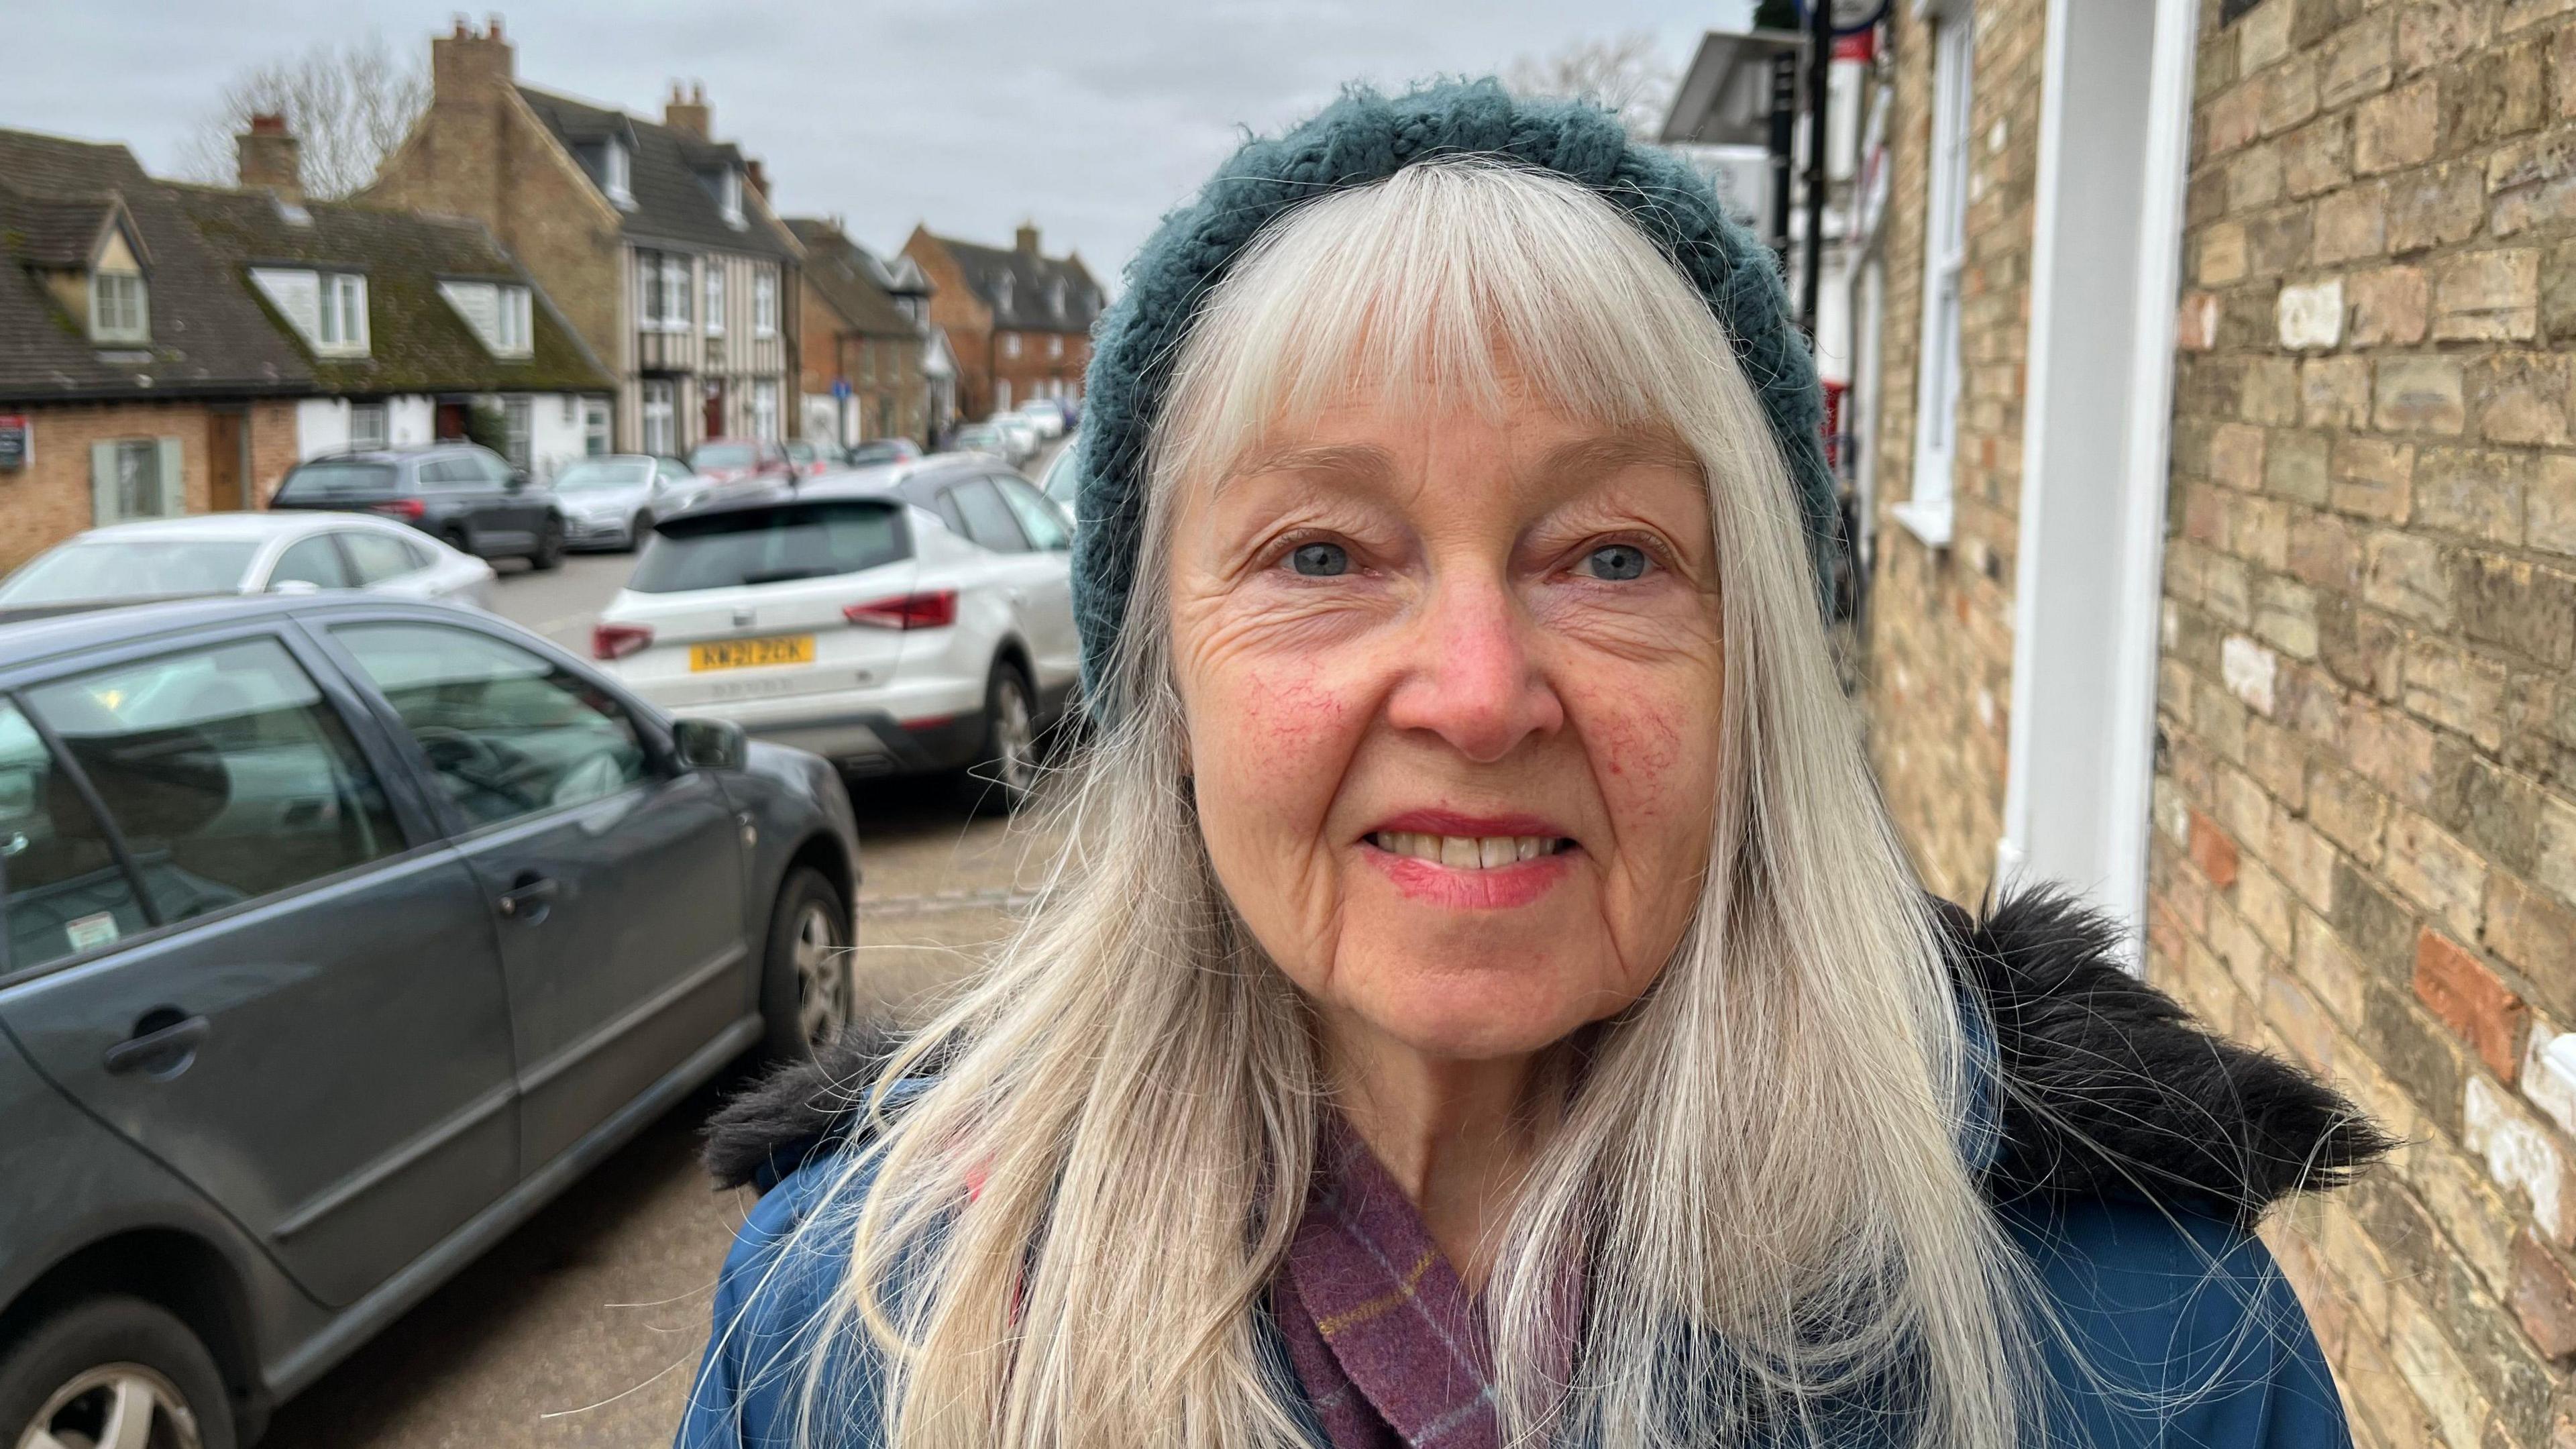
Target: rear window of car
(131,568)
(738,546)
(723,455)
(338,480)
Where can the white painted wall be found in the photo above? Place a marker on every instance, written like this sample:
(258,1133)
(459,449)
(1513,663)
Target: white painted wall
(555,436)
(410,421)
(321,426)
(554,432)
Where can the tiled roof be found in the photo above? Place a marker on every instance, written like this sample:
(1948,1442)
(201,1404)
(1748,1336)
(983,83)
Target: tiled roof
(662,169)
(416,340)
(42,233)
(1027,303)
(208,336)
(852,281)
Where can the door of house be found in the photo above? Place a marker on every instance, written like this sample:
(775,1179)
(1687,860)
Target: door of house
(227,460)
(715,419)
(451,422)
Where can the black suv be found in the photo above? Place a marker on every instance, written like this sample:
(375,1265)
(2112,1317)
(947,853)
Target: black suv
(468,496)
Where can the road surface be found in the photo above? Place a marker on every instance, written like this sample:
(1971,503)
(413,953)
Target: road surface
(584,1327)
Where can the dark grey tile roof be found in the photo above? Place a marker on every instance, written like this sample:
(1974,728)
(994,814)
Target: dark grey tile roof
(662,169)
(416,340)
(1027,304)
(208,336)
(851,280)
(42,233)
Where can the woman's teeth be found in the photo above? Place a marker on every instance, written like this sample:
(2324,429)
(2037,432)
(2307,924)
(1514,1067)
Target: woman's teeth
(1467,852)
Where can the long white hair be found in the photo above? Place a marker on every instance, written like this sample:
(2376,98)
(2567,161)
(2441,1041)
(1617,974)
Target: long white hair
(1067,1239)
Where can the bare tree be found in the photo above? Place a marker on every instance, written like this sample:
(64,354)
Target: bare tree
(1623,73)
(348,106)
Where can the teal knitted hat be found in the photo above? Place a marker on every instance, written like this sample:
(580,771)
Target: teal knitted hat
(1365,137)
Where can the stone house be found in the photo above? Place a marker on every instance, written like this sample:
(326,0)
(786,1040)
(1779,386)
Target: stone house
(1018,321)
(2224,565)
(862,340)
(407,323)
(655,240)
(136,378)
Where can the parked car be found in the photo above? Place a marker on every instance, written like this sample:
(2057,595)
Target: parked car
(1019,433)
(245,553)
(878,451)
(807,458)
(914,619)
(987,438)
(466,496)
(1062,475)
(611,502)
(724,461)
(342,933)
(1044,415)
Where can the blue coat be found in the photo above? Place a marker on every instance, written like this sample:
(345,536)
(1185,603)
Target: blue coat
(2126,1154)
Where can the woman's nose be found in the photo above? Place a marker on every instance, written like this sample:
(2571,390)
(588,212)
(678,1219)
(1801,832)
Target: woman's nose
(1471,676)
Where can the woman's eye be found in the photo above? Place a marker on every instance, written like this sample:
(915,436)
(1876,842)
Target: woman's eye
(1615,562)
(1320,560)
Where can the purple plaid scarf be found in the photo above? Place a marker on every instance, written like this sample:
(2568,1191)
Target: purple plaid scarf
(1389,1344)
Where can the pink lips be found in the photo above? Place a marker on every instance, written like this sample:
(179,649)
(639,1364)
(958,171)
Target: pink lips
(1500,888)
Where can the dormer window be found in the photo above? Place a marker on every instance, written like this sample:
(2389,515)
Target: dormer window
(120,308)
(612,172)
(729,197)
(1002,292)
(499,314)
(328,308)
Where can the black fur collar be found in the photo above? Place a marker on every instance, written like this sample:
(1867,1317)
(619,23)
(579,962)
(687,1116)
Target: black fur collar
(2103,1084)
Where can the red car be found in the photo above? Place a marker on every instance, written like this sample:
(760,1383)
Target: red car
(740,460)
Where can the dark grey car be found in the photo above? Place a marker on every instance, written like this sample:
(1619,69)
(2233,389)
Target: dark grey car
(339,935)
(466,495)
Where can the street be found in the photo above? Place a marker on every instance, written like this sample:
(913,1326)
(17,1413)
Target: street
(584,1327)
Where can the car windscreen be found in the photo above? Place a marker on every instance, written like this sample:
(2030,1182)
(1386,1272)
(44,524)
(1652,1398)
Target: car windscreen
(737,546)
(131,568)
(583,476)
(876,453)
(338,480)
(722,455)
(1061,476)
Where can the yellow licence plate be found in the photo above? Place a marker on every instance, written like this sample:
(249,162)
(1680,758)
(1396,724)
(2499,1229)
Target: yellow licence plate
(752,653)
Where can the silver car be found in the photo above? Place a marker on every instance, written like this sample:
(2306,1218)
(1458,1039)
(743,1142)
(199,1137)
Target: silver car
(611,502)
(248,553)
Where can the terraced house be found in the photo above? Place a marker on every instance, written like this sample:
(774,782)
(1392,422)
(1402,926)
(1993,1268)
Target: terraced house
(863,340)
(2224,495)
(137,378)
(414,328)
(655,239)
(1017,321)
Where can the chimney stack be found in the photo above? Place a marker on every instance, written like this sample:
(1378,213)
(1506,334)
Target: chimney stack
(268,155)
(466,65)
(693,115)
(756,178)
(1028,239)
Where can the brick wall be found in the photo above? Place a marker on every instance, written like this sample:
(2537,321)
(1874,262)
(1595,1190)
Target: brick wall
(1033,371)
(2365,813)
(955,309)
(51,500)
(1939,649)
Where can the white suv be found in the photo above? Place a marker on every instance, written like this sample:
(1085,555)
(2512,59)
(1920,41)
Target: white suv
(909,619)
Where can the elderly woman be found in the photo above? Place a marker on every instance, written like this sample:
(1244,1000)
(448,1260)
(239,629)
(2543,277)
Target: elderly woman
(1486,1002)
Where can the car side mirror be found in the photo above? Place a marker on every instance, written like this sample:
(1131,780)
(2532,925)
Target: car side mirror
(710,744)
(518,481)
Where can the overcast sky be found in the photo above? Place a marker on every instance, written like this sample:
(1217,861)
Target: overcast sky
(1090,116)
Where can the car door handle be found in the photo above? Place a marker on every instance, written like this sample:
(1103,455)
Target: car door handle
(528,896)
(158,1048)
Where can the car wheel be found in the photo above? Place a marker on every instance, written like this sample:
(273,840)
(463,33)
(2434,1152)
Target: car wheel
(806,992)
(550,545)
(1005,772)
(112,1371)
(638,526)
(457,538)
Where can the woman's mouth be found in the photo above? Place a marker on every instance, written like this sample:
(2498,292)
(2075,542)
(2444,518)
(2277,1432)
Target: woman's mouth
(1467,852)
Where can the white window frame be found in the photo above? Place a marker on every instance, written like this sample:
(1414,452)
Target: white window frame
(116,314)
(1010,344)
(676,285)
(715,298)
(729,198)
(513,318)
(1001,394)
(364,436)
(519,432)
(660,415)
(156,468)
(340,317)
(764,409)
(764,305)
(614,177)
(1055,346)
(595,439)
(1939,383)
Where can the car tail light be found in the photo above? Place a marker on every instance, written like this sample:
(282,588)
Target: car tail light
(616,641)
(411,508)
(906,611)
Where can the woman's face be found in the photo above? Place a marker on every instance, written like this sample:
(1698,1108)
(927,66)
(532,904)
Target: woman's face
(1452,688)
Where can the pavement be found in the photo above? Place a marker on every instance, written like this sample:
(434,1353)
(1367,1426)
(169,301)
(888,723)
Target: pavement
(584,1327)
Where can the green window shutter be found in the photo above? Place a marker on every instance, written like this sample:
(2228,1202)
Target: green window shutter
(174,484)
(102,483)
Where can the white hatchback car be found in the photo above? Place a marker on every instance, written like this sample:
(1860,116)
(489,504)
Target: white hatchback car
(911,619)
(248,553)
